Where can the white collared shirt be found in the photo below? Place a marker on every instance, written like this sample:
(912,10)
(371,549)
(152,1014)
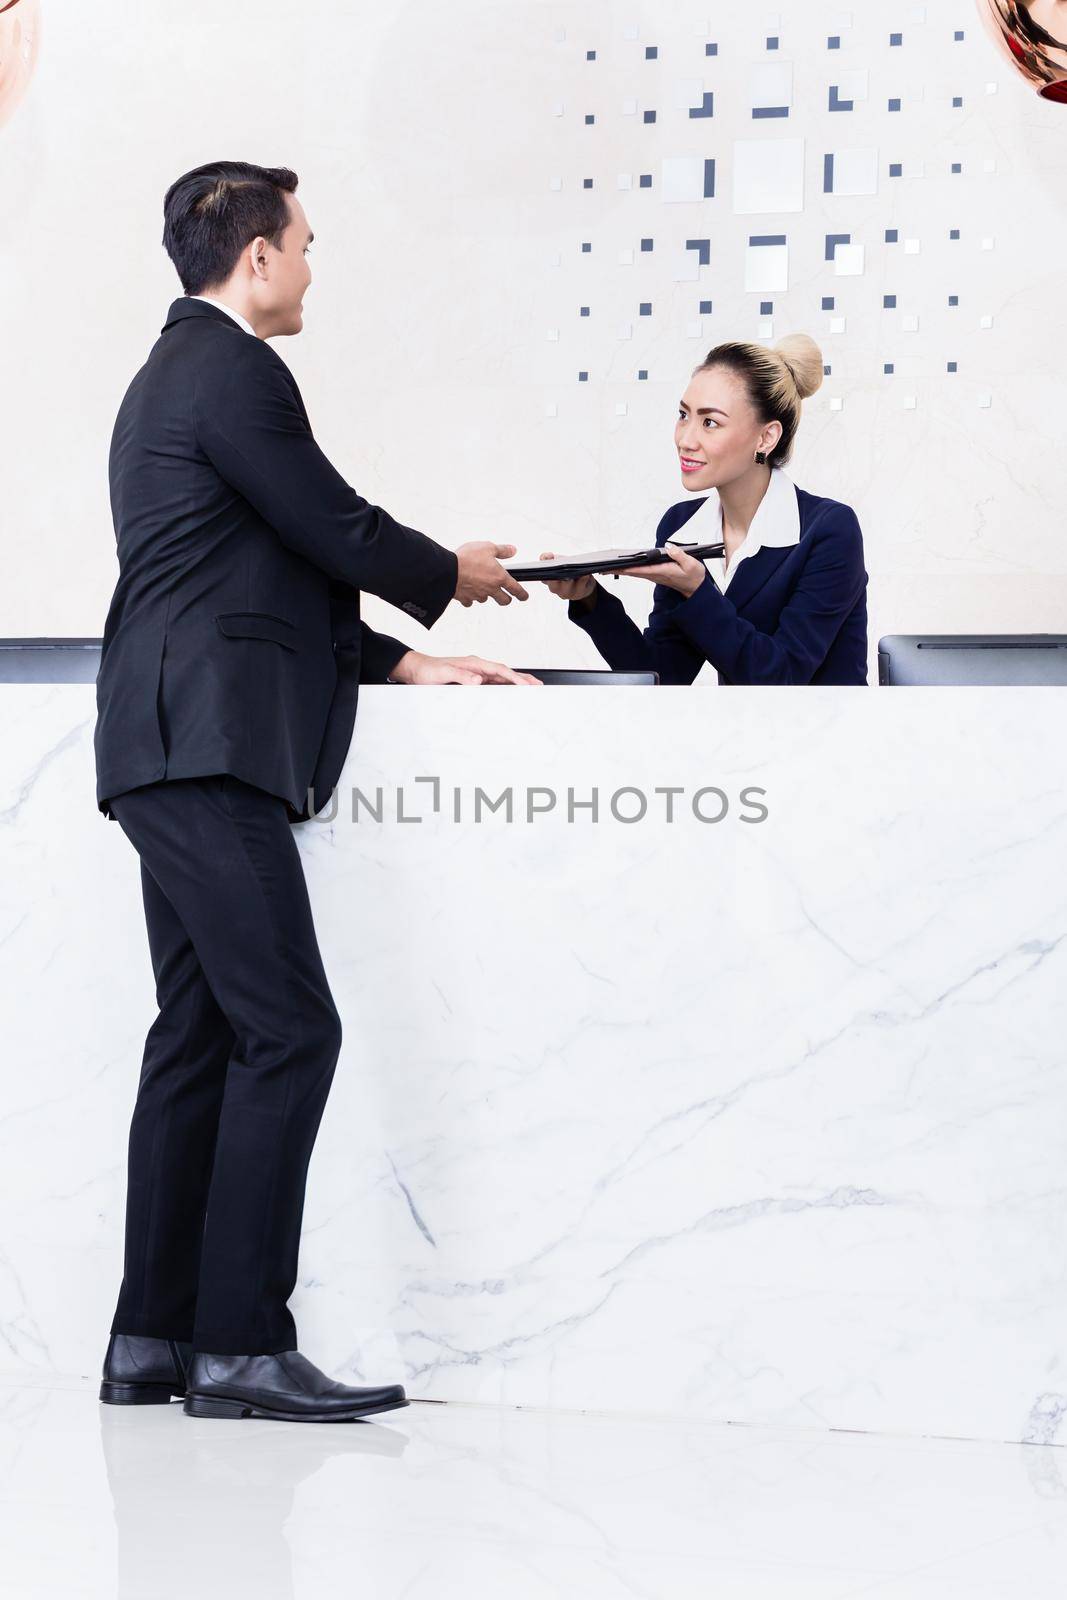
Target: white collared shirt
(777,523)
(230,312)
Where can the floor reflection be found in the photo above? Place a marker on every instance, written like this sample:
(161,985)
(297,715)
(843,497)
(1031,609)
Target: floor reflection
(196,1496)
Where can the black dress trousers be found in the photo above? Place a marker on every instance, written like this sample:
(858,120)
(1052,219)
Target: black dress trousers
(236,1069)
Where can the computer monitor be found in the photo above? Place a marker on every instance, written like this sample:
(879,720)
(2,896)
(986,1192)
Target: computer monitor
(972,658)
(49,660)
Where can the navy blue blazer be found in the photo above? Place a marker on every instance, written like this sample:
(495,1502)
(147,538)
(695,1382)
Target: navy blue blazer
(792,614)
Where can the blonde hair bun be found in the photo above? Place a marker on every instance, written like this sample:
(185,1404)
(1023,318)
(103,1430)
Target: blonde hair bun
(804,359)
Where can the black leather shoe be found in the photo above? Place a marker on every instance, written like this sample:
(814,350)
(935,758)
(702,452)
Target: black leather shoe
(144,1372)
(287,1387)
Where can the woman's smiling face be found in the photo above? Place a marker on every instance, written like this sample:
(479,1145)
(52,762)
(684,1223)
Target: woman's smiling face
(718,433)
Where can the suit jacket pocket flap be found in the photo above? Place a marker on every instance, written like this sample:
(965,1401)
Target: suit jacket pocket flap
(258,625)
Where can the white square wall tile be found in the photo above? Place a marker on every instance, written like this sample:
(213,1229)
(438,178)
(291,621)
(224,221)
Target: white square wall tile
(771,84)
(853,84)
(768,176)
(687,93)
(682,178)
(856,171)
(685,267)
(766,268)
(849,260)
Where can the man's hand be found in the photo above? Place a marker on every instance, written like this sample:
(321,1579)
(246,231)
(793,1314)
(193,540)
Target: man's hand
(414,667)
(683,572)
(481,575)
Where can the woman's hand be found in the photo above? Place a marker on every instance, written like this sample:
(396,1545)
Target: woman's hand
(682,572)
(416,668)
(569,588)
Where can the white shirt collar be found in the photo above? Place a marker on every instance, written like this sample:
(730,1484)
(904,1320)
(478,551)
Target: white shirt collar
(230,312)
(777,521)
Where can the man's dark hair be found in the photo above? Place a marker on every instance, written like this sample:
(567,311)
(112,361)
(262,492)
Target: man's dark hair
(213,212)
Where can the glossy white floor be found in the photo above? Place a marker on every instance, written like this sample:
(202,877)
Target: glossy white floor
(437,1501)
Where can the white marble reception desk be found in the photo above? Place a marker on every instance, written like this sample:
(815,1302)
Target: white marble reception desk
(759,1119)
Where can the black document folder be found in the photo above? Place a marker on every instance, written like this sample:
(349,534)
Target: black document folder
(602,561)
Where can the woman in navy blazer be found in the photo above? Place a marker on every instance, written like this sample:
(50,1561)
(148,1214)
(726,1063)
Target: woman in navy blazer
(791,602)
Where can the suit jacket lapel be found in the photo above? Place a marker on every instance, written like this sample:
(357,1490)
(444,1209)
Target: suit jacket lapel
(753,573)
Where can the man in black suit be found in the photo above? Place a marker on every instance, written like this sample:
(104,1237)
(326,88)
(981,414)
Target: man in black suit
(232,656)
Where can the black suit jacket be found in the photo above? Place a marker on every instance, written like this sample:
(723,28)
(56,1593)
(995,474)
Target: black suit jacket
(233,642)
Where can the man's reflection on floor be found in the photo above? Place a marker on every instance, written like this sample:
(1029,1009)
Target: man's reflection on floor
(201,1505)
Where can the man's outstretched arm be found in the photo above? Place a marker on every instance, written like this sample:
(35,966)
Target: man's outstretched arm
(251,424)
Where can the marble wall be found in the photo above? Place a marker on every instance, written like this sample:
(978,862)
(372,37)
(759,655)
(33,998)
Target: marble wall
(761,1121)
(454,161)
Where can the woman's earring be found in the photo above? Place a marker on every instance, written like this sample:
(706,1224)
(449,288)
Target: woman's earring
(761,457)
